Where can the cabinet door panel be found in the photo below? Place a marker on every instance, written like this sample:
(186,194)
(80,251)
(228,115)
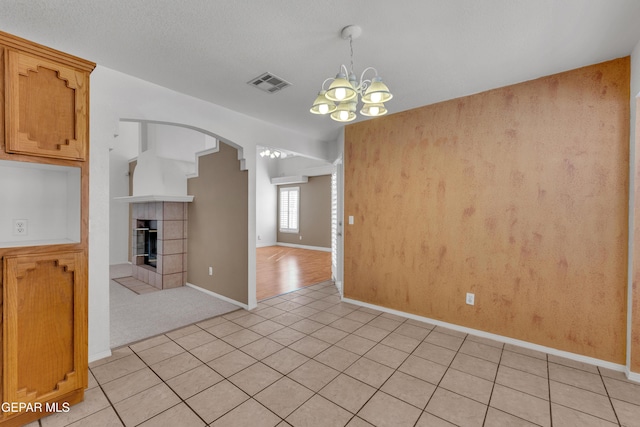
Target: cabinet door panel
(45,334)
(47,105)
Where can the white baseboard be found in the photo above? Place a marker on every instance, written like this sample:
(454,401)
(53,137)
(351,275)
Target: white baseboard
(263,244)
(222,297)
(98,356)
(500,338)
(633,376)
(338,286)
(313,248)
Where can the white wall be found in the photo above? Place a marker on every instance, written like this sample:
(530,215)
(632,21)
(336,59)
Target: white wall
(51,210)
(635,86)
(299,165)
(125,147)
(116,96)
(178,143)
(103,127)
(266,202)
(635,92)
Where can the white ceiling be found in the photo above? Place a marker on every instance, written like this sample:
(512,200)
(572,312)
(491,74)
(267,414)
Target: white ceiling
(426,50)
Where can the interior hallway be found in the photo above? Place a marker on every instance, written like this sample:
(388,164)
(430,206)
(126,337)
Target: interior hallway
(282,269)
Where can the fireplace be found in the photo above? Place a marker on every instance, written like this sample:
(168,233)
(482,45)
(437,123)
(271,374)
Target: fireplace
(147,242)
(159,243)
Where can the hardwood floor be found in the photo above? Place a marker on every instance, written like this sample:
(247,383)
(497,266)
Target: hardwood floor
(280,269)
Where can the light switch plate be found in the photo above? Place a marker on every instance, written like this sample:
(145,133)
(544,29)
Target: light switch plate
(471,298)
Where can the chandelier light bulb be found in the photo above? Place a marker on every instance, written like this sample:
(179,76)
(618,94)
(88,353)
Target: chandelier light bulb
(340,89)
(377,92)
(373,110)
(322,105)
(345,112)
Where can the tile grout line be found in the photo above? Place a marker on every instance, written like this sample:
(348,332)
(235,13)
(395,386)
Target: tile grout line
(111,404)
(409,354)
(314,393)
(493,386)
(445,373)
(580,388)
(257,361)
(225,378)
(146,365)
(546,359)
(604,384)
(182,400)
(355,361)
(340,316)
(354,415)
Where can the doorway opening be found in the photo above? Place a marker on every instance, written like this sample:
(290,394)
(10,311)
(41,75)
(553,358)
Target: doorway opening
(294,223)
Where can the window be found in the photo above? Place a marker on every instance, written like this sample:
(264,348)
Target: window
(289,208)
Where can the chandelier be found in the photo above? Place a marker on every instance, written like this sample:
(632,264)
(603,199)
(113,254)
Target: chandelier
(272,154)
(340,100)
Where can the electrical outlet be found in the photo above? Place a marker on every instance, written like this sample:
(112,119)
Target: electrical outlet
(471,298)
(20,227)
(210,271)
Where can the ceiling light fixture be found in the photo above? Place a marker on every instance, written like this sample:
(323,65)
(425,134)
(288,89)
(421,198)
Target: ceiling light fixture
(345,90)
(272,154)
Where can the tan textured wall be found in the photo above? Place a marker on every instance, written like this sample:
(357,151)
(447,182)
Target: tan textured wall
(518,195)
(635,319)
(218,230)
(315,213)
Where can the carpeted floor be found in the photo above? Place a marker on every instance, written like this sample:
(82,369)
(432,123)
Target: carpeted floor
(135,317)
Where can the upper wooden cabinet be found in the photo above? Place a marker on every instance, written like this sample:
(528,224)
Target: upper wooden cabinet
(47,105)
(46,101)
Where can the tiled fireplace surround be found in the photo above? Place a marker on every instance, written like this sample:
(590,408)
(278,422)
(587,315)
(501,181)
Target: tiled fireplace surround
(171,268)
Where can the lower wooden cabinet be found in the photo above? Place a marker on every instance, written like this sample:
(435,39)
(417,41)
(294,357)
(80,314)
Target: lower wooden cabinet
(44,333)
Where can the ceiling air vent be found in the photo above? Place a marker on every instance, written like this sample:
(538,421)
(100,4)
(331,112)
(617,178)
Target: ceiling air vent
(269,83)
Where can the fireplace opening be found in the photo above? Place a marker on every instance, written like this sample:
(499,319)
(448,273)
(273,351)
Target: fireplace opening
(147,242)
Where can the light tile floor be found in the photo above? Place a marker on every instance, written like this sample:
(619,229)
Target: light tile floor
(307,359)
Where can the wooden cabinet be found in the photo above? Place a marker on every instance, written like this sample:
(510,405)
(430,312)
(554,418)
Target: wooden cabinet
(47,105)
(45,325)
(44,122)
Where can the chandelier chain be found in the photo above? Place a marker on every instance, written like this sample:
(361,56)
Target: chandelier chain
(351,47)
